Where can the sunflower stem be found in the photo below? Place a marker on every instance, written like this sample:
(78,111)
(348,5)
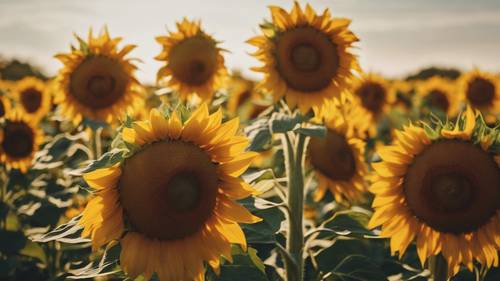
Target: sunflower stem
(96,142)
(294,158)
(438,268)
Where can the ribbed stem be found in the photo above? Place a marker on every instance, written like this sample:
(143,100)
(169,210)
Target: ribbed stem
(294,157)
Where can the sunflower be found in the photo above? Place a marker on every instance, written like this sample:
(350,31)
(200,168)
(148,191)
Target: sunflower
(441,187)
(373,94)
(19,140)
(338,158)
(402,91)
(439,93)
(4,100)
(244,100)
(97,81)
(171,203)
(306,56)
(33,97)
(481,90)
(194,62)
(240,90)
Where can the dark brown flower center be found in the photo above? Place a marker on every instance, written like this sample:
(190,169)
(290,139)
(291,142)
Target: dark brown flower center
(453,192)
(18,139)
(169,189)
(438,99)
(372,96)
(100,86)
(332,156)
(194,60)
(98,82)
(453,186)
(31,99)
(480,92)
(306,59)
(183,191)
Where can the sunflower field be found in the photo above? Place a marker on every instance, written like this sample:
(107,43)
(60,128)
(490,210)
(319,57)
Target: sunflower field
(319,170)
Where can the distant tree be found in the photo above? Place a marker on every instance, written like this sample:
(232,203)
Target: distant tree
(429,72)
(15,70)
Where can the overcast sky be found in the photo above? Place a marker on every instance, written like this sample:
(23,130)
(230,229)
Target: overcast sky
(397,37)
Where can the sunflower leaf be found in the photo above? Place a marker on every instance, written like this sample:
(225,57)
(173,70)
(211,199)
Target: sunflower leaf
(69,232)
(312,131)
(109,158)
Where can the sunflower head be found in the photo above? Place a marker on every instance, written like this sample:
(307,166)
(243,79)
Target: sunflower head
(19,140)
(306,56)
(5,105)
(373,94)
(33,98)
(481,90)
(402,91)
(440,186)
(440,94)
(172,197)
(338,157)
(194,62)
(244,100)
(97,81)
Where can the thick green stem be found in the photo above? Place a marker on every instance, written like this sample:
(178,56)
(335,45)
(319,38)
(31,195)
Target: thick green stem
(95,139)
(294,157)
(438,268)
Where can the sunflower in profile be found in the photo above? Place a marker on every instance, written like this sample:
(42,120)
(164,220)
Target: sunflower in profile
(441,187)
(402,91)
(19,140)
(481,90)
(306,56)
(171,204)
(33,97)
(97,81)
(194,62)
(240,90)
(439,93)
(244,100)
(338,158)
(5,105)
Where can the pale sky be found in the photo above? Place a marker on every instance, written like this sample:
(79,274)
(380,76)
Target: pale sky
(397,37)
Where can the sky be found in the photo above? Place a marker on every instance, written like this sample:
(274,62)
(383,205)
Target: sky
(397,37)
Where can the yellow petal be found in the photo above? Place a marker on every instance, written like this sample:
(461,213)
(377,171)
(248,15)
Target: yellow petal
(229,210)
(103,178)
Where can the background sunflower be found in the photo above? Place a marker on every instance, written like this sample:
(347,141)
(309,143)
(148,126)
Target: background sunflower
(338,158)
(97,81)
(194,62)
(32,97)
(439,94)
(20,139)
(480,89)
(306,56)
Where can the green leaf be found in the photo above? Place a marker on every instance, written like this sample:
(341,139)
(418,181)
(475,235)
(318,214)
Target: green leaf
(108,159)
(107,265)
(69,232)
(351,221)
(244,265)
(356,268)
(282,123)
(313,131)
(259,134)
(263,232)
